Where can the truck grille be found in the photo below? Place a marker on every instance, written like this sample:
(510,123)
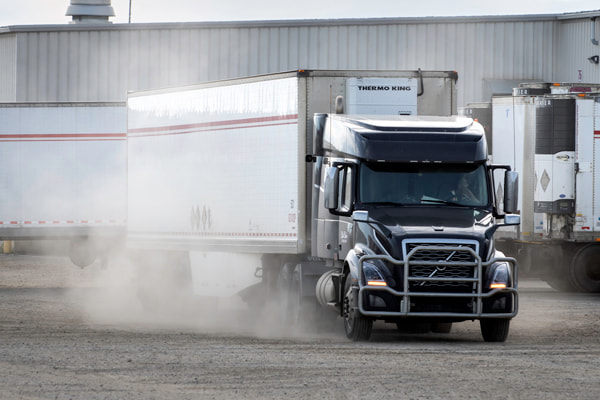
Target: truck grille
(440,270)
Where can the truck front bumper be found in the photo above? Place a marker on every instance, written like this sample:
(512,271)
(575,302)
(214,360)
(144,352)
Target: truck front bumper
(475,303)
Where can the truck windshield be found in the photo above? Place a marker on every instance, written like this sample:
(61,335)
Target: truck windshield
(409,184)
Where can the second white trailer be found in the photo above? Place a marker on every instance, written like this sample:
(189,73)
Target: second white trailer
(63,174)
(550,133)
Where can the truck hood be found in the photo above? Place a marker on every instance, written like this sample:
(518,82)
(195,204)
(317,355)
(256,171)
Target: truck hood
(393,224)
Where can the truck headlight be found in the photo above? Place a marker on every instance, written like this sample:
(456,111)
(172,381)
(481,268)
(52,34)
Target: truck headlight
(500,280)
(373,277)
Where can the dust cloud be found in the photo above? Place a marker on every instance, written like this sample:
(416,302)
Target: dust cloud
(127,295)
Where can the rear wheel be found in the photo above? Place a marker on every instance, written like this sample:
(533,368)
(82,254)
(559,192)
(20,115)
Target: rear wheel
(494,329)
(585,270)
(357,327)
(301,310)
(82,252)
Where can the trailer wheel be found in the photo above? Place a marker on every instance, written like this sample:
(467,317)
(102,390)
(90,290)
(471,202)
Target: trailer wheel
(585,269)
(494,329)
(357,327)
(82,252)
(301,310)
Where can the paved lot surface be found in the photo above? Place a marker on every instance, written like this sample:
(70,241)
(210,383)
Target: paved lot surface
(67,333)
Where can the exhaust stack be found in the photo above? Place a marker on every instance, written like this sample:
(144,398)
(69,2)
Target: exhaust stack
(90,11)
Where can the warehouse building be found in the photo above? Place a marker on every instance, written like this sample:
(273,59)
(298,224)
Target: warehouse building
(94,60)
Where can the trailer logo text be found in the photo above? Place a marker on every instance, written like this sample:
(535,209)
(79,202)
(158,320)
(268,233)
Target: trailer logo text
(385,88)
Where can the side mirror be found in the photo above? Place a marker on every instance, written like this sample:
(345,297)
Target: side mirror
(512,219)
(360,216)
(511,192)
(338,189)
(330,188)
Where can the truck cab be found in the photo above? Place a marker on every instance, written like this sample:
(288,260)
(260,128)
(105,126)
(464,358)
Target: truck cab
(405,207)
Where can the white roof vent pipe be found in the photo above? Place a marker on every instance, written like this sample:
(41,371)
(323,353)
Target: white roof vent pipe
(90,11)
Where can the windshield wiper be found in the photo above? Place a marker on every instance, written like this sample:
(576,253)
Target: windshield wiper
(385,204)
(440,201)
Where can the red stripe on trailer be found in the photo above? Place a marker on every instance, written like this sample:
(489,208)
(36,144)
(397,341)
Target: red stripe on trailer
(54,222)
(51,137)
(235,234)
(212,124)
(229,128)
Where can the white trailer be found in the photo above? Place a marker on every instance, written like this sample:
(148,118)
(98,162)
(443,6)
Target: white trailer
(221,166)
(63,174)
(550,133)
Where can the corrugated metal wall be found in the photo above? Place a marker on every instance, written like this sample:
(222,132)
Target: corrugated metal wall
(574,42)
(66,63)
(8,67)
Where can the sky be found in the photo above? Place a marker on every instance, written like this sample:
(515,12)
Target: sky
(36,12)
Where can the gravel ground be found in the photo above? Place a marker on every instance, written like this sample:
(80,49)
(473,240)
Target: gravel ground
(67,333)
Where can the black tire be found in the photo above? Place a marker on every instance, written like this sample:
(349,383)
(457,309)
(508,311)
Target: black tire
(301,310)
(584,271)
(494,329)
(357,327)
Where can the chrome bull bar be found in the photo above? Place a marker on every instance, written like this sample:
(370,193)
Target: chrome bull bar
(406,295)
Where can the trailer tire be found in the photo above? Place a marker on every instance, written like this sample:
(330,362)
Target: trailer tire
(357,327)
(82,252)
(301,310)
(494,329)
(584,272)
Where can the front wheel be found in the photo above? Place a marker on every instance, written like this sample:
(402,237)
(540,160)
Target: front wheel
(357,327)
(494,329)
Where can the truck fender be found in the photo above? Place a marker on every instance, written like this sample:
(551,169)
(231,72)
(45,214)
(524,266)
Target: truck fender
(352,259)
(490,271)
(351,264)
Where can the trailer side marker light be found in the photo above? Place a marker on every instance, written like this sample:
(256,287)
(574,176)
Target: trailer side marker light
(376,283)
(498,286)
